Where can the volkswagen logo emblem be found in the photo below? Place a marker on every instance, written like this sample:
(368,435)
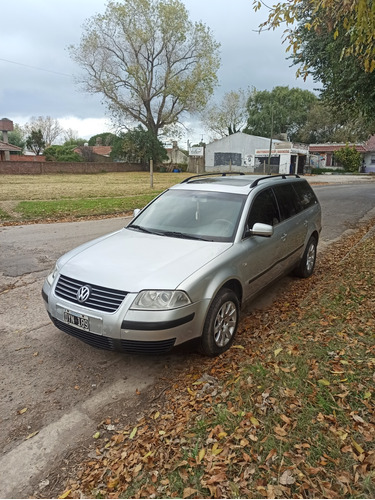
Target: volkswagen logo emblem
(83,293)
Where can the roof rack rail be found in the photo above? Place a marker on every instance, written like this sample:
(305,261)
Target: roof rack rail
(217,174)
(283,176)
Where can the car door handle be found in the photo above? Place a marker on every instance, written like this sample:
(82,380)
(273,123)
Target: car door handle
(283,237)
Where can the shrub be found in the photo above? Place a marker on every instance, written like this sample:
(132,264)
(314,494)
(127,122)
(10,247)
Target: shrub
(349,158)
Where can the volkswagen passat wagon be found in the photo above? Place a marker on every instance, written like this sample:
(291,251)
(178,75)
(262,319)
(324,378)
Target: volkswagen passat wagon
(186,263)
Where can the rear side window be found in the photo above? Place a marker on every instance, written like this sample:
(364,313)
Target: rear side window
(305,194)
(287,200)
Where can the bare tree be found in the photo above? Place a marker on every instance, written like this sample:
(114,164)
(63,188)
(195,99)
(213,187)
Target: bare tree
(230,115)
(49,127)
(148,61)
(70,135)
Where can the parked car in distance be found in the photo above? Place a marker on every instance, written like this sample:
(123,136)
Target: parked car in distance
(186,263)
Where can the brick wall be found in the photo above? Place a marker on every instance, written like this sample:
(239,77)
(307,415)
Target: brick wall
(28,158)
(50,167)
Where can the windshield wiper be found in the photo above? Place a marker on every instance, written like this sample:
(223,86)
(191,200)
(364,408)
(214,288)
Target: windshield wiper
(143,229)
(176,234)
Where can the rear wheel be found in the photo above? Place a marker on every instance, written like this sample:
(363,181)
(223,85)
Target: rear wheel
(307,264)
(221,323)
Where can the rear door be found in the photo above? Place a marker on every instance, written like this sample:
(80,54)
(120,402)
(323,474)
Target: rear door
(293,226)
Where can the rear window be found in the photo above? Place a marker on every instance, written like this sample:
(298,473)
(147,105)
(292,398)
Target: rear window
(305,194)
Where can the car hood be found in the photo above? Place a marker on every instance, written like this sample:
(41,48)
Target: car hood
(133,261)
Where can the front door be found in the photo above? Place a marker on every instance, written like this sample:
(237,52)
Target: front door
(259,254)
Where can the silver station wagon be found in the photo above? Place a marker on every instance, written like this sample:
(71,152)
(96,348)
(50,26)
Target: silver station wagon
(186,263)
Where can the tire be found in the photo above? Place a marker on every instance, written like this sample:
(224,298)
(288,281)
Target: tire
(221,323)
(307,264)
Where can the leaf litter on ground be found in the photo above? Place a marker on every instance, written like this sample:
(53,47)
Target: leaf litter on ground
(289,412)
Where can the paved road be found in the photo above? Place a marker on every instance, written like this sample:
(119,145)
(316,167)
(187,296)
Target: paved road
(343,206)
(58,387)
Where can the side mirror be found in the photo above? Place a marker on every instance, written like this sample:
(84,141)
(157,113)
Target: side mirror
(136,212)
(260,229)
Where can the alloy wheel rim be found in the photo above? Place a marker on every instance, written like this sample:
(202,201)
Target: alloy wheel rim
(225,323)
(310,258)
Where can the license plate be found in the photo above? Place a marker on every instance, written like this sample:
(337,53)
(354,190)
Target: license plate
(78,320)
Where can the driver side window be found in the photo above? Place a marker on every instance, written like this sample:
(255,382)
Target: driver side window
(264,209)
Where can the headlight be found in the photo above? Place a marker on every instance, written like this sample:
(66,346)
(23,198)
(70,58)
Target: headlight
(52,275)
(160,300)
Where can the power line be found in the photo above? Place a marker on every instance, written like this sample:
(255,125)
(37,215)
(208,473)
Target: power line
(35,67)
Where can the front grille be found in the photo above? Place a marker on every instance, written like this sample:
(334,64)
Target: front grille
(128,346)
(100,299)
(141,347)
(90,338)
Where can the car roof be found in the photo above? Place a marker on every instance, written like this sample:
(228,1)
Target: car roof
(232,182)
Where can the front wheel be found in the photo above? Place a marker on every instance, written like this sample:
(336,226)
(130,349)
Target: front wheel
(307,264)
(221,323)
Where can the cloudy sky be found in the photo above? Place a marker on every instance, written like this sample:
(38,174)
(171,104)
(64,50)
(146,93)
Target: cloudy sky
(37,74)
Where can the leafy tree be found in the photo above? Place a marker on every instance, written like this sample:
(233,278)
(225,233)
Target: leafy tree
(49,127)
(106,139)
(62,153)
(35,142)
(325,125)
(349,158)
(148,61)
(334,42)
(139,146)
(345,84)
(229,116)
(281,111)
(75,142)
(352,21)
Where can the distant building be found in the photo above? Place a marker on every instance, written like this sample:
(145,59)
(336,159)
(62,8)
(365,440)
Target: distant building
(369,155)
(235,152)
(94,153)
(176,156)
(6,126)
(286,158)
(323,155)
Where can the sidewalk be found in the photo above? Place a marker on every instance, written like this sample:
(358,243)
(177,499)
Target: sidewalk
(339,178)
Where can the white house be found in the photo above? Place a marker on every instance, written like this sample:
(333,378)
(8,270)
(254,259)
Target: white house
(235,152)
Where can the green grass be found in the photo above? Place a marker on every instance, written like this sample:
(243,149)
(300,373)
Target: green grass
(76,186)
(39,197)
(81,208)
(4,215)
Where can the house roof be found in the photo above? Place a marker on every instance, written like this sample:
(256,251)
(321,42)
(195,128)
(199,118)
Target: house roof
(102,150)
(4,146)
(98,150)
(331,148)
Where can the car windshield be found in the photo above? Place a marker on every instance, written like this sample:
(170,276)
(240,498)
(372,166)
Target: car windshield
(209,216)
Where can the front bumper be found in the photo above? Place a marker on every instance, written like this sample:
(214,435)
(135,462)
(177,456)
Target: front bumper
(127,330)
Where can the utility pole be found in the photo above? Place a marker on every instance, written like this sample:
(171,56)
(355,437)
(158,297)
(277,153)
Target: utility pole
(270,150)
(151,173)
